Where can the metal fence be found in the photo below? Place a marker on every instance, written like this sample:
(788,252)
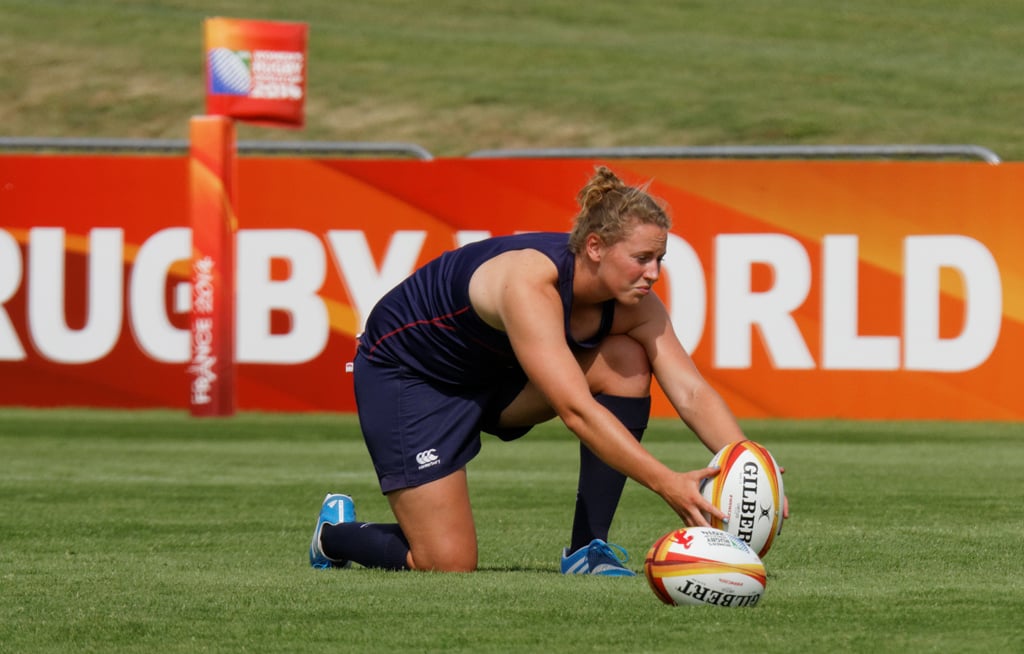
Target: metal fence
(181,146)
(357,148)
(756,152)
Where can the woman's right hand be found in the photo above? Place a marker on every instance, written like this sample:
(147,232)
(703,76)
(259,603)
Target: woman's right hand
(683,495)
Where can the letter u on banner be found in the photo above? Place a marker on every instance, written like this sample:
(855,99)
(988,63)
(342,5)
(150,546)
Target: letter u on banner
(211,367)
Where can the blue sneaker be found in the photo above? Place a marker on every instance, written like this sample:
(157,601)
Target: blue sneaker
(597,558)
(334,510)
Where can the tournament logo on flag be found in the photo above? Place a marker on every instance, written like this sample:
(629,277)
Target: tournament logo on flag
(230,71)
(256,70)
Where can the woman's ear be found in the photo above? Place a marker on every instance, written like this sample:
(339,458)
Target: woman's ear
(594,247)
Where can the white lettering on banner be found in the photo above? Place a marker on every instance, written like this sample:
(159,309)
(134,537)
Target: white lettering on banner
(10,281)
(47,320)
(277,75)
(258,295)
(467,236)
(738,309)
(924,349)
(366,284)
(150,323)
(687,291)
(202,291)
(841,347)
(203,361)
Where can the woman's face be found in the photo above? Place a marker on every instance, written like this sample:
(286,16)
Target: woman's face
(631,266)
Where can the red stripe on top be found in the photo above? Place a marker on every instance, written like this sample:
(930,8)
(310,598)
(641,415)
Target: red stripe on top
(436,322)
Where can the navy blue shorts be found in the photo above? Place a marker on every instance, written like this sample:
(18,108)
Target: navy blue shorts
(417,431)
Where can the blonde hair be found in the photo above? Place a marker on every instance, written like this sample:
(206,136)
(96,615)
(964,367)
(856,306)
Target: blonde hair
(609,207)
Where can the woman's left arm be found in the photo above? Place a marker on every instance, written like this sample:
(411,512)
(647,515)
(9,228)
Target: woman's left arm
(697,403)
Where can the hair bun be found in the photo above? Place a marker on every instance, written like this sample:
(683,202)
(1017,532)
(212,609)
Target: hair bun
(603,182)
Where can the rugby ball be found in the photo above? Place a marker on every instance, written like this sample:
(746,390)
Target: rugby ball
(703,565)
(748,489)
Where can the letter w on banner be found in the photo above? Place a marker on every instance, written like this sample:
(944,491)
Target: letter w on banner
(255,72)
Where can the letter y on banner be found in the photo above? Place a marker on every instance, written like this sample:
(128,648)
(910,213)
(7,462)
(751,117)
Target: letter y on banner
(211,368)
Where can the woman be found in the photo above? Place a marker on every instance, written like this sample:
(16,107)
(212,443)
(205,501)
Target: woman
(501,335)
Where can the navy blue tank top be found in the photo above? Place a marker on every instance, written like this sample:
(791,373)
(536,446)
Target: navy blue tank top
(427,324)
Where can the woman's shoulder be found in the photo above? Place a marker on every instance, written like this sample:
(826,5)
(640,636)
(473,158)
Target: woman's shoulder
(553,246)
(532,240)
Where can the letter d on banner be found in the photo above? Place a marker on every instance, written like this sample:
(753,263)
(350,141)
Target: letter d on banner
(211,368)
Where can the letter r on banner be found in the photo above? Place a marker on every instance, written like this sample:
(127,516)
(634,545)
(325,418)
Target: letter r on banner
(211,367)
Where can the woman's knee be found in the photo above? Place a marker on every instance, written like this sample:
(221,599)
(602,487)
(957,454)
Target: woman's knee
(437,521)
(620,367)
(445,558)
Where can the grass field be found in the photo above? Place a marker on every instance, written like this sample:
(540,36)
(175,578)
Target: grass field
(456,76)
(153,531)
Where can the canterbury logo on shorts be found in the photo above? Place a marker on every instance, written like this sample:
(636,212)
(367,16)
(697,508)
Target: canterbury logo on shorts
(427,458)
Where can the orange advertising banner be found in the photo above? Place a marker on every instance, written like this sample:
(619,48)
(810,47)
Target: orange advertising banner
(876,290)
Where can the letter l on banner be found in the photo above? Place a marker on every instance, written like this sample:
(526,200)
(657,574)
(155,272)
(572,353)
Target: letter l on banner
(212,175)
